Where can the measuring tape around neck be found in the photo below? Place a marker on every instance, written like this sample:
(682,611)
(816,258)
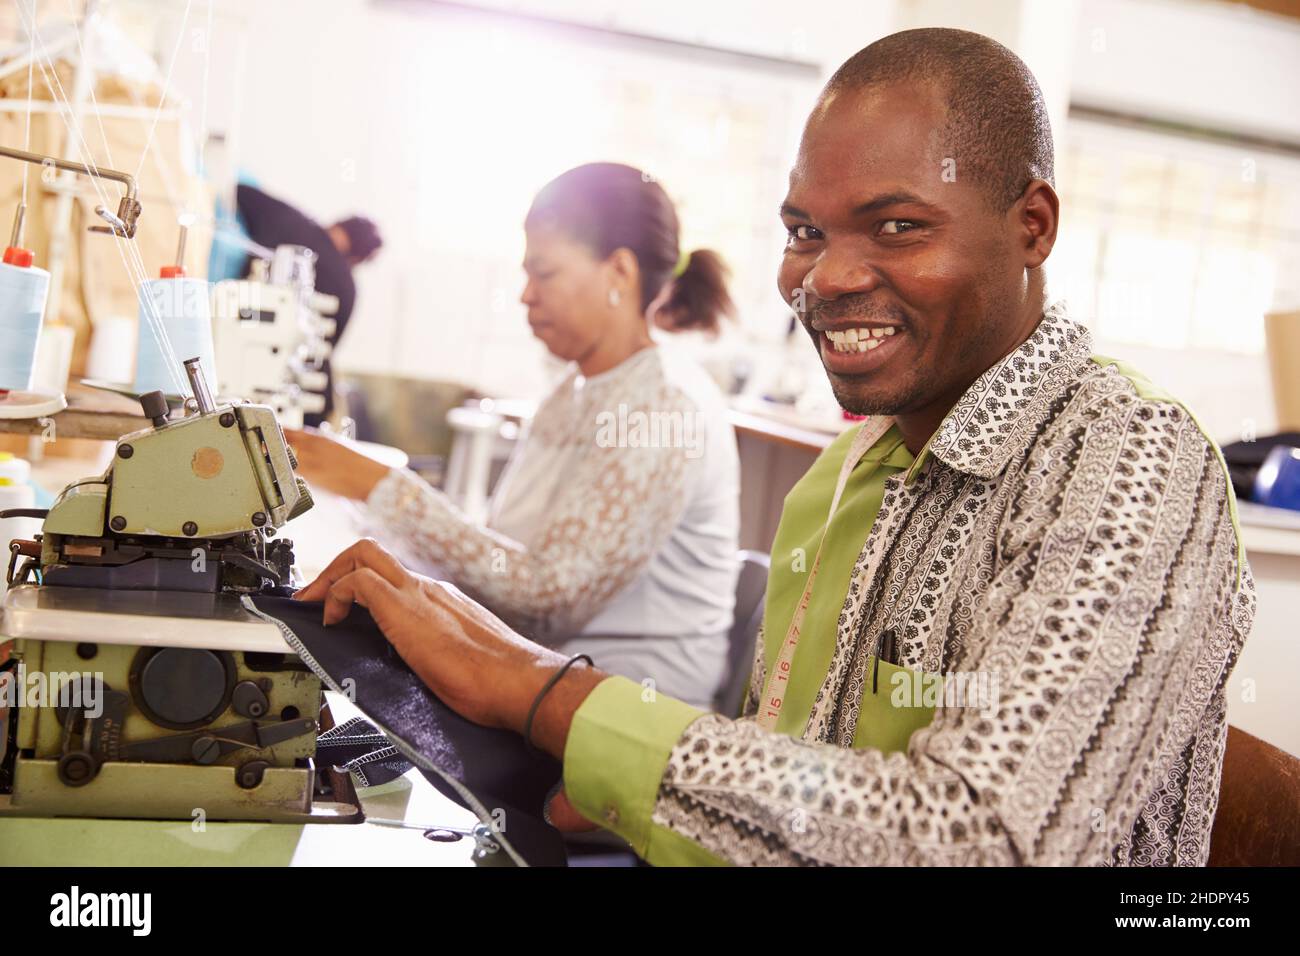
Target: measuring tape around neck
(778,679)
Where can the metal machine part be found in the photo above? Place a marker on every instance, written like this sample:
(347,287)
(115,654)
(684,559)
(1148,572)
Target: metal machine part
(130,729)
(182,687)
(485,842)
(128,209)
(199,386)
(161,717)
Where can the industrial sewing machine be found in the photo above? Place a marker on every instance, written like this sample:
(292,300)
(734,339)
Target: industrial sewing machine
(161,696)
(136,690)
(271,333)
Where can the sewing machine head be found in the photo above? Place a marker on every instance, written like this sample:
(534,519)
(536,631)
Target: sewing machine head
(187,505)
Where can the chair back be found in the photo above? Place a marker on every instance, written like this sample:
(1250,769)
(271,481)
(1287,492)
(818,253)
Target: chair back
(751,587)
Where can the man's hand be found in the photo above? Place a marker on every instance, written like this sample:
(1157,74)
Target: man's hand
(334,466)
(479,667)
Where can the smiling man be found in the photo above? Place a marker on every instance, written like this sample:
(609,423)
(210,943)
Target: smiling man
(1002,611)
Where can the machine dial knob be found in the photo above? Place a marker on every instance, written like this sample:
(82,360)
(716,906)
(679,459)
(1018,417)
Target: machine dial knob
(182,688)
(154,405)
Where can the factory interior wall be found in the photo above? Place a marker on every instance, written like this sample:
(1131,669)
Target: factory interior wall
(390,141)
(337,139)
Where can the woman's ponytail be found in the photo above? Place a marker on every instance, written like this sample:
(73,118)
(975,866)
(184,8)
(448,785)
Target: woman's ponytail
(697,298)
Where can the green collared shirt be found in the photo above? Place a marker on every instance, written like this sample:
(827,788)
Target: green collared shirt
(1016,650)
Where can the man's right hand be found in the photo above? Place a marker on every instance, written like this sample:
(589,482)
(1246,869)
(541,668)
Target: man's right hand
(465,654)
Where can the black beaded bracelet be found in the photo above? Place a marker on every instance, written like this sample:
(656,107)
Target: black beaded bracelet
(546,689)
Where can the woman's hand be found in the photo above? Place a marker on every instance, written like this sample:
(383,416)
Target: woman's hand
(333,466)
(474,663)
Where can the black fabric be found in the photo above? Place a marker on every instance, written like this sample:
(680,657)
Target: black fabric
(272,222)
(357,747)
(1245,457)
(510,783)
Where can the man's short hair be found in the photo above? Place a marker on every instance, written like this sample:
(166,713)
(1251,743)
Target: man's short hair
(363,237)
(997,128)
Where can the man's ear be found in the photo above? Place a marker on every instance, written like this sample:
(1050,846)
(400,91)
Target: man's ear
(1036,215)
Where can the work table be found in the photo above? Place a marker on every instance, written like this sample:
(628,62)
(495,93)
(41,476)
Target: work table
(91,413)
(37,841)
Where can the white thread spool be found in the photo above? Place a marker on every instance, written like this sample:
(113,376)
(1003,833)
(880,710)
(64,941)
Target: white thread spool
(112,349)
(23,291)
(54,358)
(180,305)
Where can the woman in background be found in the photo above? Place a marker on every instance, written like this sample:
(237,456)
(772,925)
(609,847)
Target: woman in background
(614,528)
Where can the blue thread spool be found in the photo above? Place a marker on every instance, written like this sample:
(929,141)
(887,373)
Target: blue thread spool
(1278,481)
(182,306)
(23,291)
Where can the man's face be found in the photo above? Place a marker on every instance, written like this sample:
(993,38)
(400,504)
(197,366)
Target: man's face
(892,246)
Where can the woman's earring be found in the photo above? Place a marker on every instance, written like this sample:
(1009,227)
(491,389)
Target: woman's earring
(614,297)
